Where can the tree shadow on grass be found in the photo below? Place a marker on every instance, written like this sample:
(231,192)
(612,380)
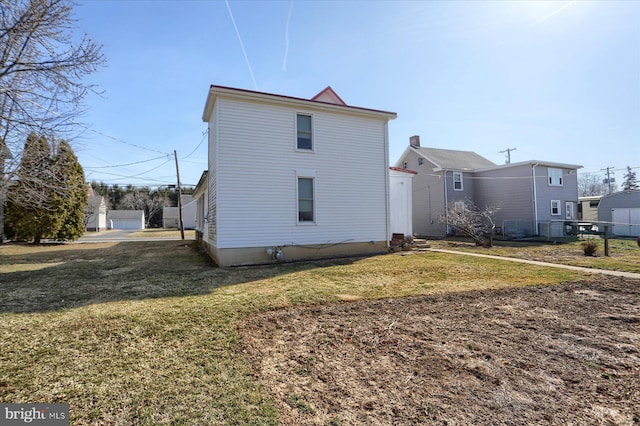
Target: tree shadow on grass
(74,275)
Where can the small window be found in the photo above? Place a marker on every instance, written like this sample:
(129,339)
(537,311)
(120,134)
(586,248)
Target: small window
(555,177)
(420,161)
(303,128)
(457,181)
(555,208)
(405,165)
(305,200)
(594,204)
(459,206)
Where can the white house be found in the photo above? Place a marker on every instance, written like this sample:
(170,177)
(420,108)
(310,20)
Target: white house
(291,178)
(96,213)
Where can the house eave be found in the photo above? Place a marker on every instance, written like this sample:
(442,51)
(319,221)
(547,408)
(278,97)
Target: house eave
(532,163)
(274,99)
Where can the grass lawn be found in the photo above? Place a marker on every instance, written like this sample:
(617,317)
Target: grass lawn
(145,332)
(624,254)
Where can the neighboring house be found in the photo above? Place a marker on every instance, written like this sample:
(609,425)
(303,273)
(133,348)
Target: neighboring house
(293,178)
(533,197)
(400,200)
(622,209)
(171,215)
(588,208)
(125,219)
(96,213)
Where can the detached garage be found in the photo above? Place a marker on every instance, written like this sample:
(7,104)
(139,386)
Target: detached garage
(125,219)
(622,209)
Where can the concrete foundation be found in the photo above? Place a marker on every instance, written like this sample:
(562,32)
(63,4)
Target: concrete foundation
(292,253)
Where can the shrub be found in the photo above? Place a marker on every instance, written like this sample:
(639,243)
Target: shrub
(590,248)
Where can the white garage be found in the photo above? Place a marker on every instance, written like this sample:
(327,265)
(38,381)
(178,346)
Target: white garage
(626,222)
(125,219)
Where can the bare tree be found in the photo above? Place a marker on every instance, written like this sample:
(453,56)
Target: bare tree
(590,184)
(42,66)
(469,220)
(141,200)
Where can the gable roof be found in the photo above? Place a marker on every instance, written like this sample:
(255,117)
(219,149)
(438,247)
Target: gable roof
(449,159)
(271,98)
(125,214)
(328,95)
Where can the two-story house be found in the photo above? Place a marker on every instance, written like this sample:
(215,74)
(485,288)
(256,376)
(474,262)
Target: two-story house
(291,178)
(533,197)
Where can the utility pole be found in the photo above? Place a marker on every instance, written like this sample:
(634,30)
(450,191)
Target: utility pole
(609,181)
(508,151)
(181,224)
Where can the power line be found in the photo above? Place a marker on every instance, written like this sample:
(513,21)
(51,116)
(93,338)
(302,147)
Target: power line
(204,135)
(124,165)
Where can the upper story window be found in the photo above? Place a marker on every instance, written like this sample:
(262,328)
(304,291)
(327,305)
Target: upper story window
(555,177)
(304,132)
(420,161)
(457,181)
(405,165)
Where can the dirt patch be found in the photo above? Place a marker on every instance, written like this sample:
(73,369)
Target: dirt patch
(563,354)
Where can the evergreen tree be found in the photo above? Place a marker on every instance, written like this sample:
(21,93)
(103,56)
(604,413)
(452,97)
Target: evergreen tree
(33,208)
(630,181)
(74,193)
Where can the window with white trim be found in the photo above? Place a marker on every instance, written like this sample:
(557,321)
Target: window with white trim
(420,161)
(459,206)
(555,208)
(306,200)
(555,176)
(304,132)
(457,181)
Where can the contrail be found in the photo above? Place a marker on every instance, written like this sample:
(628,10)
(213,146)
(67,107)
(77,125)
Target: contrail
(286,37)
(244,52)
(555,12)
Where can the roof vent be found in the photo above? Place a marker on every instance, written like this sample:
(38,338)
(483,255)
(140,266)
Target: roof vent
(414,141)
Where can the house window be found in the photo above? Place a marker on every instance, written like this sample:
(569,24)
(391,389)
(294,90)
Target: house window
(555,177)
(405,165)
(303,129)
(420,161)
(457,181)
(459,206)
(594,204)
(555,208)
(305,199)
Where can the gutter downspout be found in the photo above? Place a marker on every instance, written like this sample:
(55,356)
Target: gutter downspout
(446,202)
(535,198)
(386,186)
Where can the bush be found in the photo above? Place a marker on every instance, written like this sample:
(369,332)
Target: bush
(590,248)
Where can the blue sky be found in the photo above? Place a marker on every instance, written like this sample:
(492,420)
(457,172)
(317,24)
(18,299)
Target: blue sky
(558,80)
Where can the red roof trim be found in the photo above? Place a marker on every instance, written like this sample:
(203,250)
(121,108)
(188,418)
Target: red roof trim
(213,86)
(398,169)
(331,91)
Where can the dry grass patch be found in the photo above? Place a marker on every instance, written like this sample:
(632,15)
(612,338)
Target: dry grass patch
(145,332)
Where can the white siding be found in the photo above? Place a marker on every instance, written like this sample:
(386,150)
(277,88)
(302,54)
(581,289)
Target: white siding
(256,166)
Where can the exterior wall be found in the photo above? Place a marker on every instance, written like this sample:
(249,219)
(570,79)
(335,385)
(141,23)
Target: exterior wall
(98,220)
(428,198)
(617,200)
(400,204)
(253,169)
(585,210)
(568,192)
(511,191)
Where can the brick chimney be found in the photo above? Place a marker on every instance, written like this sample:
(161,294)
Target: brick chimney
(414,141)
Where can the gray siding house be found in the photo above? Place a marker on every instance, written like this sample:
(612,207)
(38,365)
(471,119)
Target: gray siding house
(533,197)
